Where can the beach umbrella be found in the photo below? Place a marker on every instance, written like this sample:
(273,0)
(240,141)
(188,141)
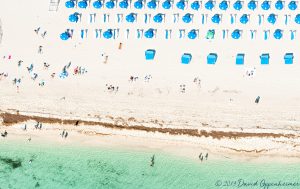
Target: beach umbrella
(279,5)
(97,4)
(236,34)
(210,34)
(149,33)
(223,5)
(63,74)
(195,5)
(293,5)
(158,18)
(272,18)
(187,18)
(238,5)
(152,4)
(192,34)
(130,17)
(216,18)
(74,17)
(110,4)
(277,34)
(297,18)
(123,4)
(252,5)
(244,19)
(209,5)
(138,4)
(70,4)
(166,4)
(82,4)
(180,4)
(108,34)
(64,36)
(265,5)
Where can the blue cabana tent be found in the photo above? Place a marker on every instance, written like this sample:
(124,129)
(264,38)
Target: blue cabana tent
(187,18)
(212,58)
(192,34)
(108,34)
(288,58)
(74,17)
(186,58)
(264,58)
(63,74)
(244,19)
(180,4)
(277,34)
(279,5)
(195,5)
(97,4)
(252,5)
(110,4)
(238,5)
(297,18)
(236,34)
(149,33)
(166,4)
(292,5)
(216,19)
(239,59)
(272,18)
(130,17)
(152,4)
(70,4)
(209,5)
(150,54)
(265,5)
(123,4)
(138,4)
(65,36)
(223,5)
(158,18)
(82,4)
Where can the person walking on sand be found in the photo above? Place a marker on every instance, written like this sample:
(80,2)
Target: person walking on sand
(66,135)
(63,134)
(200,155)
(206,156)
(25,127)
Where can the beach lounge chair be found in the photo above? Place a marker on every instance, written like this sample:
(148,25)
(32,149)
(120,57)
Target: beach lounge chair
(288,58)
(264,58)
(239,59)
(149,54)
(186,58)
(212,58)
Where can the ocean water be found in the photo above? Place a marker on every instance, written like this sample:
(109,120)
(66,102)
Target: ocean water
(29,165)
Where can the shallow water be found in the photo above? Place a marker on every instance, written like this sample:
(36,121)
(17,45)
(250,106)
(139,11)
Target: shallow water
(25,165)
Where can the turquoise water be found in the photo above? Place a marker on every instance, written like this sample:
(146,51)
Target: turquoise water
(67,166)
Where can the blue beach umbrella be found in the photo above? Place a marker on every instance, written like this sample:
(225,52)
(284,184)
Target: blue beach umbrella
(180,4)
(130,17)
(166,4)
(108,34)
(252,5)
(244,19)
(123,4)
(138,4)
(297,18)
(63,74)
(265,5)
(82,4)
(187,18)
(74,17)
(64,36)
(236,34)
(279,5)
(238,5)
(216,18)
(158,18)
(277,34)
(272,18)
(110,4)
(223,5)
(149,33)
(293,5)
(70,4)
(152,4)
(192,34)
(209,5)
(97,4)
(195,5)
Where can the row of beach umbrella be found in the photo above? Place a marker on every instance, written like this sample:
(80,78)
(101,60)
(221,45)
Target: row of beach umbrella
(183,4)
